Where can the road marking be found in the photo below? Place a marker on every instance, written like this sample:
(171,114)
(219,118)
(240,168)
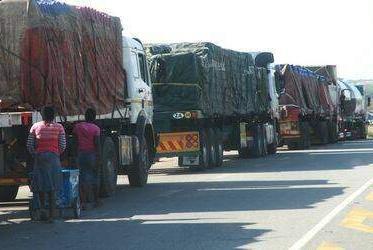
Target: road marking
(319,226)
(341,153)
(369,197)
(355,220)
(269,187)
(329,246)
(327,150)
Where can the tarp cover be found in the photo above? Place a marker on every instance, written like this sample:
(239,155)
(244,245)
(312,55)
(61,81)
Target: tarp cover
(182,96)
(229,82)
(303,88)
(55,54)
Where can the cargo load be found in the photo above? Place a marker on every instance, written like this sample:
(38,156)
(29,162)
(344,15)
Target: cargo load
(204,76)
(305,89)
(61,55)
(327,71)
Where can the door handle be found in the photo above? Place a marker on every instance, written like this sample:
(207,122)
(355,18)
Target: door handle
(141,90)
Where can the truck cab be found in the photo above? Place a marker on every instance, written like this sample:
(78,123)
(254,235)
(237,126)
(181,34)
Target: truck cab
(138,80)
(128,141)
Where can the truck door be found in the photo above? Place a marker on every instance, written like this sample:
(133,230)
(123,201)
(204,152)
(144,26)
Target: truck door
(142,95)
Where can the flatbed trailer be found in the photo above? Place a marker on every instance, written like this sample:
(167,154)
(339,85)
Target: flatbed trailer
(188,119)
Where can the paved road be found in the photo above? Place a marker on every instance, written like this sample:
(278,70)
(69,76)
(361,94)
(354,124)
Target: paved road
(316,199)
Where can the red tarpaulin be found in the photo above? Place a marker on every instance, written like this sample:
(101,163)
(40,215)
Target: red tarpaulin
(62,55)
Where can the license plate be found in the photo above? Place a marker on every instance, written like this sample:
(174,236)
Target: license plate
(190,161)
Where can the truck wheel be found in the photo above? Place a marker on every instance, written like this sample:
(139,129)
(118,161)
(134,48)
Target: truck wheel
(324,133)
(180,161)
(293,146)
(211,137)
(272,148)
(8,193)
(244,153)
(306,138)
(257,150)
(109,170)
(264,141)
(333,133)
(77,208)
(219,148)
(138,175)
(204,152)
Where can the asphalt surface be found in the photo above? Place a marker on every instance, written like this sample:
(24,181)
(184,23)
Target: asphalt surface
(316,199)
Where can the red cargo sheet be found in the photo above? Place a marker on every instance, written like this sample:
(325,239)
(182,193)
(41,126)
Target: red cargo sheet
(305,89)
(60,55)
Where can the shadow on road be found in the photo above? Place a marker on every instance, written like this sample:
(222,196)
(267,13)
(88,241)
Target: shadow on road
(347,155)
(168,214)
(215,214)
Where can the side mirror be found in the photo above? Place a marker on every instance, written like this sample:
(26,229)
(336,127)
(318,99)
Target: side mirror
(369,101)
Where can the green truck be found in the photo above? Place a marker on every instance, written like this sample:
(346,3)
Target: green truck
(208,99)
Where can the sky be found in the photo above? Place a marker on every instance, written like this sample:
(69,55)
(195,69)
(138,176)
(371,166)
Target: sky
(302,32)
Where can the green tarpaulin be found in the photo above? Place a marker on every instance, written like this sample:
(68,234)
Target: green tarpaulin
(229,82)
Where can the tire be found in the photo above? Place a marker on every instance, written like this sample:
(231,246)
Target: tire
(333,133)
(204,155)
(219,147)
(243,153)
(305,141)
(77,208)
(211,138)
(324,133)
(8,193)
(293,146)
(306,138)
(363,132)
(109,168)
(257,150)
(138,175)
(264,142)
(34,213)
(180,161)
(272,148)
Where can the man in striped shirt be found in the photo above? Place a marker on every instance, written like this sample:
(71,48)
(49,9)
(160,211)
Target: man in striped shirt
(46,142)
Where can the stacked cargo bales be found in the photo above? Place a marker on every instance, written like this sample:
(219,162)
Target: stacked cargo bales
(61,55)
(306,90)
(330,74)
(228,81)
(307,109)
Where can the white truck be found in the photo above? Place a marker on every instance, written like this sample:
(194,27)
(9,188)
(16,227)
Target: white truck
(128,141)
(128,144)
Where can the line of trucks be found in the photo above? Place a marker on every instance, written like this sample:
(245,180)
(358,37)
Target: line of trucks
(187,100)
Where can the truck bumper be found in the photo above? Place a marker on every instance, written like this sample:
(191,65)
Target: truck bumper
(10,181)
(290,130)
(178,143)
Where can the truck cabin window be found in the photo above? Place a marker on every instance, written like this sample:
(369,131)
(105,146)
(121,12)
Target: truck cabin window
(143,68)
(134,65)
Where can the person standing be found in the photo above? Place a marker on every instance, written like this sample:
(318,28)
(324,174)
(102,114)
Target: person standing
(89,157)
(46,142)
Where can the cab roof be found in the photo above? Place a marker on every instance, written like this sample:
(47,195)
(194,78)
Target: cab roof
(132,43)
